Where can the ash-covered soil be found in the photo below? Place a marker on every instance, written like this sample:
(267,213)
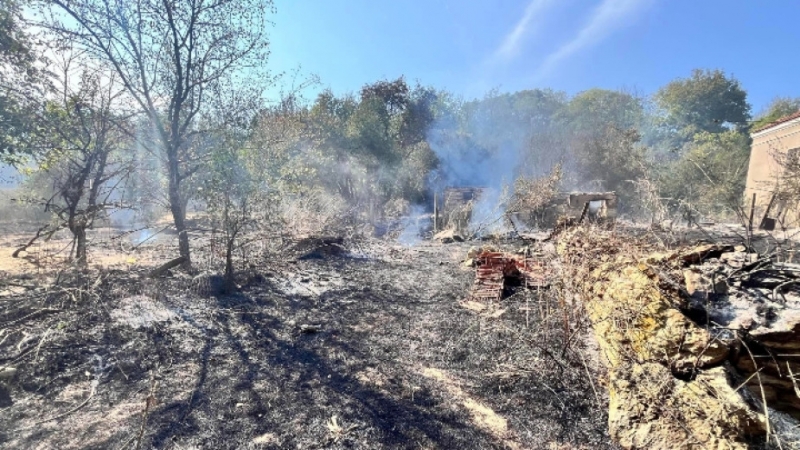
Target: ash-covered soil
(366,348)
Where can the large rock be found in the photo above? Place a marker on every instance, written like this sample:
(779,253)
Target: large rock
(667,382)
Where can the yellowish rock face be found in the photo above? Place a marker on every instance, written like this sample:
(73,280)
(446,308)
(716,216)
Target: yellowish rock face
(667,387)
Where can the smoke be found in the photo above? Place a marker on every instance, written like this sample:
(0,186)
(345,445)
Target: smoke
(488,212)
(414,225)
(465,162)
(142,236)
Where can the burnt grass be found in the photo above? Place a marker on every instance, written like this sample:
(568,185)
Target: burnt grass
(322,351)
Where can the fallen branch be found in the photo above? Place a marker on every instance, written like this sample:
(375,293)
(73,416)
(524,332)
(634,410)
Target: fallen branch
(38,311)
(157,272)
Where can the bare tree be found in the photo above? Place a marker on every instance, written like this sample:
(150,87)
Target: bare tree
(79,137)
(171,56)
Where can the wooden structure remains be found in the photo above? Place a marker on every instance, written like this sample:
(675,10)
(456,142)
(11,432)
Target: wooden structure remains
(454,210)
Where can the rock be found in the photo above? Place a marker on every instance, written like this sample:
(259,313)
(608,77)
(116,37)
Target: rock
(310,329)
(701,252)
(8,374)
(700,284)
(669,385)
(716,415)
(738,259)
(696,281)
(474,252)
(783,334)
(448,236)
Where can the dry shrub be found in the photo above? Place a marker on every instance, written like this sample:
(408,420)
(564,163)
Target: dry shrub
(396,208)
(315,213)
(651,205)
(533,194)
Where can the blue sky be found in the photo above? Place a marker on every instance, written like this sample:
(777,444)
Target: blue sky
(472,46)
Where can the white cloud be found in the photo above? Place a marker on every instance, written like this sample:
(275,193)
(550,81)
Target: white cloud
(608,16)
(511,44)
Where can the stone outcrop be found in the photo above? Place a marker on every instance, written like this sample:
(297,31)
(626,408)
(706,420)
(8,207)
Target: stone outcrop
(670,381)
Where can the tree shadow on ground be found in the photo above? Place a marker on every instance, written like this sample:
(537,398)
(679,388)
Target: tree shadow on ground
(315,376)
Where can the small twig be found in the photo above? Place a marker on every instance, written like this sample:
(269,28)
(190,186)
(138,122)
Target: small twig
(21,319)
(41,341)
(794,380)
(780,286)
(60,416)
(589,376)
(760,385)
(149,402)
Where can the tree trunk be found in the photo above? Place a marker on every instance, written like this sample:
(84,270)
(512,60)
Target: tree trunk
(79,233)
(178,213)
(230,284)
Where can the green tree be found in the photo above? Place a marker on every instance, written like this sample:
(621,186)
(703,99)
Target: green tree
(593,111)
(778,108)
(603,134)
(184,65)
(613,160)
(232,196)
(374,145)
(17,83)
(510,119)
(707,101)
(710,176)
(80,141)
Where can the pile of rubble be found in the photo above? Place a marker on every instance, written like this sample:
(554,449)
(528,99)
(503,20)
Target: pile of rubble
(752,303)
(699,343)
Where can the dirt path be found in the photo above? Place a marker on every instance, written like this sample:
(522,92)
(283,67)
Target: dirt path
(330,352)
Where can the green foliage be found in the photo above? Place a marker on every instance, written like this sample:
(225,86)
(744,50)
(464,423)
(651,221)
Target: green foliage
(511,120)
(593,111)
(16,85)
(710,176)
(605,141)
(15,44)
(371,148)
(707,101)
(615,160)
(779,107)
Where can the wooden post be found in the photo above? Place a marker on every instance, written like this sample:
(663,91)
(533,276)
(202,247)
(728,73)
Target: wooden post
(766,213)
(435,212)
(752,211)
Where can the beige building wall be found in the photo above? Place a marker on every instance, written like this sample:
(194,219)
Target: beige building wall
(764,170)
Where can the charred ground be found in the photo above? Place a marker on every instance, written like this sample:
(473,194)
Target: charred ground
(362,347)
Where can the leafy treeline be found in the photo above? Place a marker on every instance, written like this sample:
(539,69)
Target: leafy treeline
(162,102)
(393,142)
